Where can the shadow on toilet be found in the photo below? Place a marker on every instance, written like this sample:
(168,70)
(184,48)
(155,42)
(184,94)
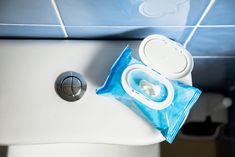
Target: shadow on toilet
(100,64)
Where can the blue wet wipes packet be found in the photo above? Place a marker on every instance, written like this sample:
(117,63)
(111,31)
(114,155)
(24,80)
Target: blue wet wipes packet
(164,103)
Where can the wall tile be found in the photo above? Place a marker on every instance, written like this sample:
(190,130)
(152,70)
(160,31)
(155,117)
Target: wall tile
(177,34)
(85,18)
(213,42)
(27,12)
(31,31)
(222,13)
(197,8)
(119,12)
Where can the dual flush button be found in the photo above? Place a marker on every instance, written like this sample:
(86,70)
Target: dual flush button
(70,86)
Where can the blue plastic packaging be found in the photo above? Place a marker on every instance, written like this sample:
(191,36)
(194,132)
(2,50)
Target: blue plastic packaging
(169,119)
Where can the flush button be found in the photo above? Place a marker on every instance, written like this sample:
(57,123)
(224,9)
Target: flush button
(76,86)
(70,86)
(66,86)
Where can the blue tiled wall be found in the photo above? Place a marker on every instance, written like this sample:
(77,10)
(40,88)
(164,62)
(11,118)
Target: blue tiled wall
(31,31)
(217,35)
(213,42)
(27,11)
(30,13)
(121,19)
(222,13)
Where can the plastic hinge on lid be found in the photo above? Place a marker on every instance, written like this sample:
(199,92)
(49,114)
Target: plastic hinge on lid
(166,56)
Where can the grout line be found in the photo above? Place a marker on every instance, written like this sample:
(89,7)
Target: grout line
(33,25)
(214,57)
(217,26)
(199,22)
(201,26)
(132,26)
(59,17)
(50,25)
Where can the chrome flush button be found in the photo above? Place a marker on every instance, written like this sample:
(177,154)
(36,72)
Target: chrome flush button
(70,86)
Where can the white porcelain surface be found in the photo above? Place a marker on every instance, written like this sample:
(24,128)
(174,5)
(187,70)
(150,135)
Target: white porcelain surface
(31,112)
(83,150)
(32,115)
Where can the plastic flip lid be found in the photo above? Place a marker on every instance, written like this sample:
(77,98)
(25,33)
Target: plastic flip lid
(165,56)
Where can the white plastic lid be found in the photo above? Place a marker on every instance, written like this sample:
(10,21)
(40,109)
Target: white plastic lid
(166,56)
